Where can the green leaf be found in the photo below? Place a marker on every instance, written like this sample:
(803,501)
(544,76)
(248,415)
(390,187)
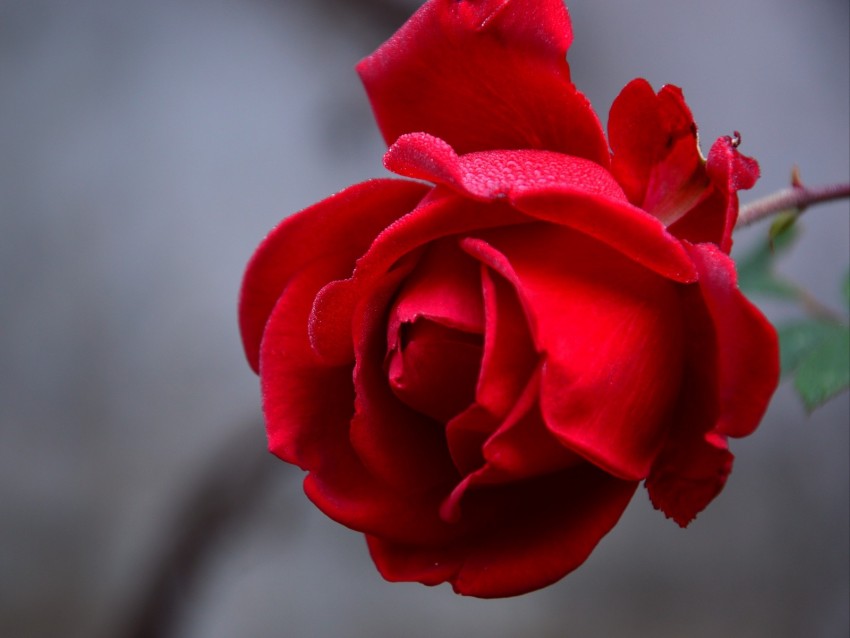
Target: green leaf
(782,225)
(755,270)
(818,352)
(796,340)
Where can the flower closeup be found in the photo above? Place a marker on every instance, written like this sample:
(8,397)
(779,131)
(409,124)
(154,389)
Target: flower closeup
(478,365)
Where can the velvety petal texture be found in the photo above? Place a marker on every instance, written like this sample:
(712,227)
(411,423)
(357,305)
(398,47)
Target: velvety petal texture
(479,367)
(323,232)
(546,186)
(747,349)
(658,163)
(484,75)
(539,530)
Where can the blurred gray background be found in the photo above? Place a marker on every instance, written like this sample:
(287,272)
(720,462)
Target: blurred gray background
(147,147)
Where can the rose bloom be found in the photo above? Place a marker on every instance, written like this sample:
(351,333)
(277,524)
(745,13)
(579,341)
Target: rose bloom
(478,369)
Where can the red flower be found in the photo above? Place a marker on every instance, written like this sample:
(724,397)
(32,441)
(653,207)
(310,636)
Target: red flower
(477,372)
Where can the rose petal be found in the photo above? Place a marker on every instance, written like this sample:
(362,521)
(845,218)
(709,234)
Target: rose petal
(630,231)
(497,174)
(537,532)
(611,335)
(731,371)
(338,230)
(692,468)
(690,474)
(510,356)
(713,218)
(434,333)
(351,496)
(658,163)
(294,383)
(656,154)
(520,448)
(748,351)
(508,365)
(565,190)
(441,215)
(525,449)
(435,369)
(466,434)
(444,288)
(399,445)
(307,429)
(707,221)
(484,75)
(730,171)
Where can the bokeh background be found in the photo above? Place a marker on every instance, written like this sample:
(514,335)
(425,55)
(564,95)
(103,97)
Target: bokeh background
(147,147)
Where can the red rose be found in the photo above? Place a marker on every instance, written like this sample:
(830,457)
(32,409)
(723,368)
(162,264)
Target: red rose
(477,372)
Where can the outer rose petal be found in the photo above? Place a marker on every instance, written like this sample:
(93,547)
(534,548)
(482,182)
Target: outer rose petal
(336,230)
(626,229)
(731,372)
(497,174)
(658,163)
(307,429)
(294,384)
(539,530)
(568,191)
(656,157)
(717,213)
(748,350)
(487,74)
(730,170)
(690,475)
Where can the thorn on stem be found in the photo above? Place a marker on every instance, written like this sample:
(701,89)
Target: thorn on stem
(796,179)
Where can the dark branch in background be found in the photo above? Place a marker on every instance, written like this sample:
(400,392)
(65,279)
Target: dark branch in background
(228,488)
(385,14)
(380,17)
(796,197)
(234,480)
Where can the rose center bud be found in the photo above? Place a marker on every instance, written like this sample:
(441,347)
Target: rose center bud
(434,368)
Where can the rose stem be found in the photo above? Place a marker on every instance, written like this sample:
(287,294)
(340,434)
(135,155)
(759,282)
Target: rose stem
(794,197)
